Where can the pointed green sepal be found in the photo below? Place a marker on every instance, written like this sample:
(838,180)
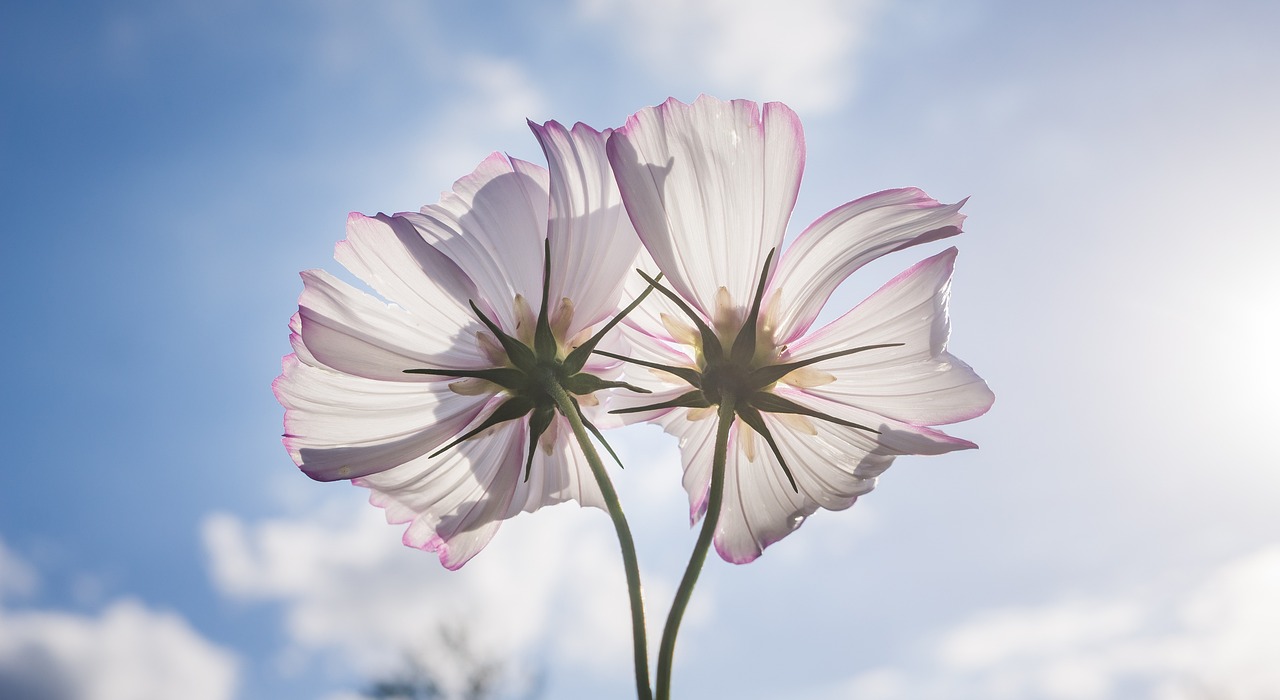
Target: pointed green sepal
(744,346)
(693,376)
(596,432)
(772,403)
(712,351)
(752,417)
(539,421)
(513,408)
(577,359)
(583,384)
(505,377)
(544,341)
(692,399)
(765,376)
(519,353)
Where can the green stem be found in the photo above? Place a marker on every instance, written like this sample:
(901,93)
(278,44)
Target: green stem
(570,411)
(714,499)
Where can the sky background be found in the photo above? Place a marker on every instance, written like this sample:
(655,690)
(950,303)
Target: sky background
(167,168)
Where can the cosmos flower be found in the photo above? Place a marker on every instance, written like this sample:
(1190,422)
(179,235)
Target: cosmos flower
(438,402)
(817,416)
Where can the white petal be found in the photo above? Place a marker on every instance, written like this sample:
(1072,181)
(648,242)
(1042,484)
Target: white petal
(832,465)
(493,225)
(696,440)
(759,506)
(710,187)
(339,426)
(560,475)
(454,503)
(350,331)
(593,246)
(847,238)
(390,255)
(894,436)
(919,382)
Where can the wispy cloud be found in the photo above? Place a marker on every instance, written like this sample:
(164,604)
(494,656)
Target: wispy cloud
(549,588)
(126,652)
(803,52)
(1216,640)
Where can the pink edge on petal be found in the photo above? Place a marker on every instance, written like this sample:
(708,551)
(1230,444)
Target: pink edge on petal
(440,547)
(724,554)
(792,121)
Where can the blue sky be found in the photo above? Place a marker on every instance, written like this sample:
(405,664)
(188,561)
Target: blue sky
(169,167)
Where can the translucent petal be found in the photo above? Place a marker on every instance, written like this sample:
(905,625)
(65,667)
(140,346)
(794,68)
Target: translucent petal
(696,439)
(593,246)
(340,426)
(847,238)
(350,331)
(493,225)
(454,503)
(390,255)
(918,383)
(709,187)
(832,466)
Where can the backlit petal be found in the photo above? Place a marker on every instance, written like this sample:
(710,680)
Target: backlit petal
(709,187)
(350,331)
(919,382)
(847,238)
(390,255)
(493,225)
(340,426)
(593,246)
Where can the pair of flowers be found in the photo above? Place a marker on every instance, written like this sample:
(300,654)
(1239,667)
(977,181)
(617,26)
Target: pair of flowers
(449,403)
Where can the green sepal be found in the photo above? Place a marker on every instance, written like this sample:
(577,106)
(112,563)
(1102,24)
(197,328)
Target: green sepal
(712,351)
(693,376)
(582,384)
(577,358)
(692,399)
(767,375)
(772,403)
(752,417)
(539,421)
(505,377)
(517,352)
(514,407)
(596,432)
(744,346)
(544,341)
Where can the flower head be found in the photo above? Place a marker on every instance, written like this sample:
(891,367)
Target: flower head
(709,187)
(439,401)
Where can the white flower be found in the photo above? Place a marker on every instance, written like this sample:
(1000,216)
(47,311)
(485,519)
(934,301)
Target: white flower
(434,401)
(818,416)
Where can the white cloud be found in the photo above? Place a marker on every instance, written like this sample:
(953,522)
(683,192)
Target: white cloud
(550,587)
(1217,640)
(802,52)
(127,652)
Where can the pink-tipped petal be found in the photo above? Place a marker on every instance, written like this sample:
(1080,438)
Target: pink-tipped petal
(340,426)
(492,225)
(389,254)
(593,246)
(350,331)
(919,382)
(709,187)
(847,238)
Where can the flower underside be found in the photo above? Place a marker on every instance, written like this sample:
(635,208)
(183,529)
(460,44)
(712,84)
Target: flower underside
(531,373)
(739,376)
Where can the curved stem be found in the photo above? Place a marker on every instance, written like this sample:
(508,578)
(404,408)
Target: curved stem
(714,499)
(629,561)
